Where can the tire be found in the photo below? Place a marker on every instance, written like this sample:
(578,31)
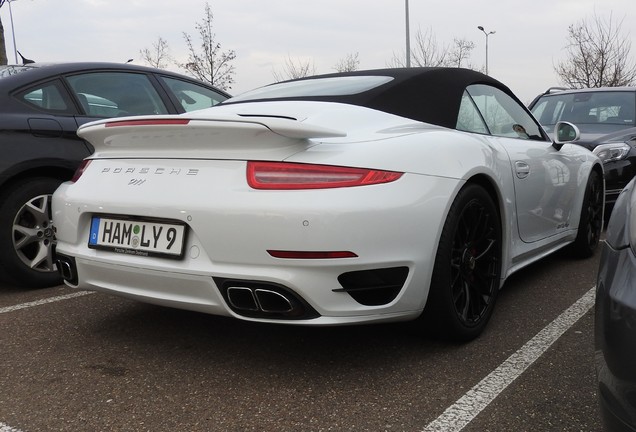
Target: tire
(27,235)
(467,271)
(591,223)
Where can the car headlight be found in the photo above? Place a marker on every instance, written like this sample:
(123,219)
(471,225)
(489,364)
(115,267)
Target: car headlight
(611,152)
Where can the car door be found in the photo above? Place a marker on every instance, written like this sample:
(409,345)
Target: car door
(545,178)
(49,124)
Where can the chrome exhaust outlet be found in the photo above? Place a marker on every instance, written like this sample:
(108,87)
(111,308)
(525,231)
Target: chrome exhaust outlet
(264,300)
(66,268)
(242,298)
(273,302)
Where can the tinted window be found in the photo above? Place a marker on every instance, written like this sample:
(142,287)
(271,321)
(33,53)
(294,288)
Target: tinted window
(606,107)
(113,94)
(191,96)
(502,114)
(48,96)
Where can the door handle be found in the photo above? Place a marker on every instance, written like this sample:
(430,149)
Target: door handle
(522,169)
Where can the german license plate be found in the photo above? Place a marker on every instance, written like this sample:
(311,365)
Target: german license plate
(138,236)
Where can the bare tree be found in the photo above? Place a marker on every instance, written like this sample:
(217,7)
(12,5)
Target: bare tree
(427,52)
(158,56)
(210,64)
(348,64)
(598,55)
(3,47)
(460,53)
(295,69)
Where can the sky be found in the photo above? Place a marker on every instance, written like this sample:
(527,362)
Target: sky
(529,40)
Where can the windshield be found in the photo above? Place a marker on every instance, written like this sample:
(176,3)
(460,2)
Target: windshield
(338,86)
(594,107)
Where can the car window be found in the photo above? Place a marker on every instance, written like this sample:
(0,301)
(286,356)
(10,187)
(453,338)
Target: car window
(604,107)
(115,94)
(191,96)
(469,118)
(48,96)
(503,115)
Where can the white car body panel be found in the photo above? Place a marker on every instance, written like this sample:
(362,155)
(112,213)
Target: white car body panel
(196,174)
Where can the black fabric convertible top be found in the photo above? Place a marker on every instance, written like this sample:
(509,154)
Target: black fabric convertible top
(431,95)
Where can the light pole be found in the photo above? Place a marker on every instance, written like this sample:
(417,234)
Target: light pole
(408,38)
(15,49)
(487,34)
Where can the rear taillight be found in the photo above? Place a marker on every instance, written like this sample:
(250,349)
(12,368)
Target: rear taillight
(283,175)
(80,170)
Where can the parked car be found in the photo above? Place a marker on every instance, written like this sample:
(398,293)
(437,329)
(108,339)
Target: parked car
(382,195)
(606,118)
(41,107)
(615,320)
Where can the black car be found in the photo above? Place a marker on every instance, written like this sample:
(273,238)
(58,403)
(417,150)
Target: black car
(41,107)
(615,317)
(606,118)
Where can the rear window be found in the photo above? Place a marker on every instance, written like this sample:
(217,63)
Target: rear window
(337,86)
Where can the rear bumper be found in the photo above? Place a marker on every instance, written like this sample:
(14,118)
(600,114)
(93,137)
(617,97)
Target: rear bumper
(203,293)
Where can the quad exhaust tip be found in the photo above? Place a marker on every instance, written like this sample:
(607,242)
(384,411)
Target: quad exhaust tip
(257,299)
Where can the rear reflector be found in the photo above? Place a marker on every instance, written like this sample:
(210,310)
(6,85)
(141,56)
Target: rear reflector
(283,175)
(311,254)
(148,122)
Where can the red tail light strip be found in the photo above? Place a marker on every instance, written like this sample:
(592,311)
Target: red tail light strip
(283,175)
(80,170)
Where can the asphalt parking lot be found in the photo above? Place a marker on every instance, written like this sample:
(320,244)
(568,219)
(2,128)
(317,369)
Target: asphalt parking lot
(77,361)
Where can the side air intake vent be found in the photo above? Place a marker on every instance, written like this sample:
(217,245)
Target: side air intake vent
(374,287)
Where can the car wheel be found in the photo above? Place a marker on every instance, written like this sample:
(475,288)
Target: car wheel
(466,274)
(27,235)
(591,224)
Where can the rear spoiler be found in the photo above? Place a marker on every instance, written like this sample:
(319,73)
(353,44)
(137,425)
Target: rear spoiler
(169,134)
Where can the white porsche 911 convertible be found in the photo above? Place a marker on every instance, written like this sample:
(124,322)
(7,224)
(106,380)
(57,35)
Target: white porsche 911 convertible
(360,197)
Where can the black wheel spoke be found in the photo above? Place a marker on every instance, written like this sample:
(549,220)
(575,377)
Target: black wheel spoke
(474,256)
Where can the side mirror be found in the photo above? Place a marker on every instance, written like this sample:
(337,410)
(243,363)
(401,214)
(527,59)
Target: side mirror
(565,132)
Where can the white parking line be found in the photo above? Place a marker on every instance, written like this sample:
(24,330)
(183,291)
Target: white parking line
(5,428)
(462,412)
(42,302)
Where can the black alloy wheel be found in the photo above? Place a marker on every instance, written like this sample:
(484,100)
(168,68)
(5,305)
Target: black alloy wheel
(591,223)
(467,271)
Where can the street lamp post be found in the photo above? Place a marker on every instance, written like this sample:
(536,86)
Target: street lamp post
(15,49)
(487,34)
(408,37)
